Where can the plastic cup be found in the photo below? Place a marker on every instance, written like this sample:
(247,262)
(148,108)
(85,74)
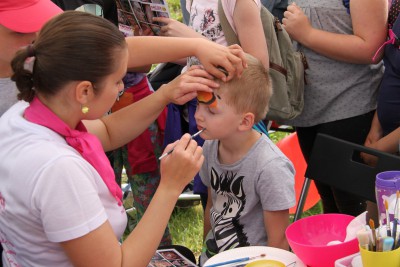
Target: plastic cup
(389,258)
(386,185)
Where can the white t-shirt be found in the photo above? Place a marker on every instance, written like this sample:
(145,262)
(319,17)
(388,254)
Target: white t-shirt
(48,194)
(204,19)
(262,180)
(204,13)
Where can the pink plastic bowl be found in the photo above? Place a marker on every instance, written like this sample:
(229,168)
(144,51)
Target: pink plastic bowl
(308,238)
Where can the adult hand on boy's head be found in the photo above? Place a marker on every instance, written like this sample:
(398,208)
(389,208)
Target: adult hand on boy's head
(184,87)
(238,51)
(180,166)
(214,56)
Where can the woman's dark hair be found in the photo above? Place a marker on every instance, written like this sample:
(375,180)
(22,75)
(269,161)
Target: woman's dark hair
(73,46)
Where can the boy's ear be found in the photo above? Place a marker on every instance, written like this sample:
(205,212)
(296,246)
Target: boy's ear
(247,121)
(84,92)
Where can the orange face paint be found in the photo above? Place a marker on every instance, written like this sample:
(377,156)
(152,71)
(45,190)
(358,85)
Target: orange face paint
(207,98)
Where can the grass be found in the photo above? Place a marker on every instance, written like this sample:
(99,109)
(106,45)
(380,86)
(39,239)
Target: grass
(186,227)
(174,7)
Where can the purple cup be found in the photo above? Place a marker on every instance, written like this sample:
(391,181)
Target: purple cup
(386,185)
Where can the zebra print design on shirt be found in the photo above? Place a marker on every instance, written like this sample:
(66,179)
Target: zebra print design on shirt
(226,211)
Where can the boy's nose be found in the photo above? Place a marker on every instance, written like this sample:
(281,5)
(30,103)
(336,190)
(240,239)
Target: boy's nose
(197,115)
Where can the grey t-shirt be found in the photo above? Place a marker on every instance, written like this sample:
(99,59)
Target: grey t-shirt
(8,94)
(336,90)
(262,180)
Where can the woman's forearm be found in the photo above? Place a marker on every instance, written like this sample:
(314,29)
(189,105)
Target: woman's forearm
(176,171)
(151,49)
(146,237)
(389,143)
(126,124)
(144,50)
(369,30)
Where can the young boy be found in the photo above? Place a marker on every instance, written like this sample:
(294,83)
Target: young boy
(244,18)
(250,182)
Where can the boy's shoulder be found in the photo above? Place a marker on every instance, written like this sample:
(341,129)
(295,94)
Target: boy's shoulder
(263,152)
(266,146)
(268,155)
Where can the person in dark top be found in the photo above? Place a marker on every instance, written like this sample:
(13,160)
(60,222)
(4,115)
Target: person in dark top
(384,134)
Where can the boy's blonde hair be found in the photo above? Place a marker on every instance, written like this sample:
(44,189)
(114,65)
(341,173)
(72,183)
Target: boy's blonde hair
(252,92)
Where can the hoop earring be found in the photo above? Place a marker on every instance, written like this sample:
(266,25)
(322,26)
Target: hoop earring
(85,109)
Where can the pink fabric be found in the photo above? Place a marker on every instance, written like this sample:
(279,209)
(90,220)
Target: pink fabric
(88,145)
(391,40)
(28,15)
(141,155)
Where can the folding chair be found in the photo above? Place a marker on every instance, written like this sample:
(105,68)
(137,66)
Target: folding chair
(335,162)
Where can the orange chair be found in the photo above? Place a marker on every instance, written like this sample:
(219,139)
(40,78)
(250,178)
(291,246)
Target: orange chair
(291,148)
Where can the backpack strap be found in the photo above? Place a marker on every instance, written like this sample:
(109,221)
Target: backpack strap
(229,33)
(393,39)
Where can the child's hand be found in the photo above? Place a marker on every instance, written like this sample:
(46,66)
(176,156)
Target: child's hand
(369,159)
(296,23)
(174,28)
(179,167)
(142,31)
(213,56)
(375,132)
(184,87)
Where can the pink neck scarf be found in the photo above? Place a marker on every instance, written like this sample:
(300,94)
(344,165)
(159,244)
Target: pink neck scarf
(88,145)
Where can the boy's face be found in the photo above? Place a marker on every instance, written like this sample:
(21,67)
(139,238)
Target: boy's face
(220,122)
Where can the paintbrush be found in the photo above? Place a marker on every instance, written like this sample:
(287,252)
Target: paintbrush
(388,232)
(396,220)
(378,240)
(169,152)
(235,261)
(372,226)
(396,217)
